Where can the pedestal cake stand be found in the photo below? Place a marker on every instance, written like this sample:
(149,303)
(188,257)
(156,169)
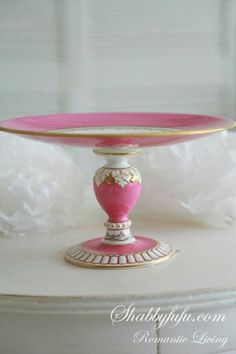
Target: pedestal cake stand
(117,185)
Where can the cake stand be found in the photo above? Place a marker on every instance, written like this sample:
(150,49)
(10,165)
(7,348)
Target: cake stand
(117,137)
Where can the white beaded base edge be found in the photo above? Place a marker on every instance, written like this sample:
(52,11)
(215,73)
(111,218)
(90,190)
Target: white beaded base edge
(79,257)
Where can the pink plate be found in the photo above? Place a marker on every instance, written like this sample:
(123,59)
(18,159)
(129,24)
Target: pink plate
(116,129)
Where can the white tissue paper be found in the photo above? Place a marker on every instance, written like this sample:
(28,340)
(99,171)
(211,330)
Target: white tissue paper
(45,188)
(193,181)
(40,187)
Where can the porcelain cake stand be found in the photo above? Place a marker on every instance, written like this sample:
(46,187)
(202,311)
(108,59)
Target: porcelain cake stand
(117,185)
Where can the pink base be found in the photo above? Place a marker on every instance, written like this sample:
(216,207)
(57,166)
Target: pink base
(95,254)
(95,245)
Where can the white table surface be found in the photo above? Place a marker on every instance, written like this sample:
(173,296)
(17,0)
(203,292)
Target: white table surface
(50,306)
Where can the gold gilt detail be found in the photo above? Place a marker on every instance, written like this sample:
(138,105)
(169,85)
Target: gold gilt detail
(109,180)
(120,176)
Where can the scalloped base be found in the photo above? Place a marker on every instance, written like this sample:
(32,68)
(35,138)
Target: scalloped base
(95,254)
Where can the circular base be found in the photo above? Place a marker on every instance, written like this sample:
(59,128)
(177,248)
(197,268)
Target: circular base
(95,254)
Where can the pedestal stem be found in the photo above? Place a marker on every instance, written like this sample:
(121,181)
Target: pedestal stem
(117,186)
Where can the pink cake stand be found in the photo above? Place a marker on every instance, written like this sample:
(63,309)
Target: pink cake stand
(117,185)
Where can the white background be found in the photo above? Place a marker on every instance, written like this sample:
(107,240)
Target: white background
(110,55)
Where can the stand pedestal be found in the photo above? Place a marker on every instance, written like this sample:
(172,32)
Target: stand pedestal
(117,186)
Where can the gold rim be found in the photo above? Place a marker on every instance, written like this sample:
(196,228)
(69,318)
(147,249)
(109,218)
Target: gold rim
(153,134)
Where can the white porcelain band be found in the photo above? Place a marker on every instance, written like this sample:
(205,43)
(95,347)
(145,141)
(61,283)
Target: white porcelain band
(118,226)
(118,233)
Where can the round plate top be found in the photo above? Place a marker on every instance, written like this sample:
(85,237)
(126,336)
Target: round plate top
(116,129)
